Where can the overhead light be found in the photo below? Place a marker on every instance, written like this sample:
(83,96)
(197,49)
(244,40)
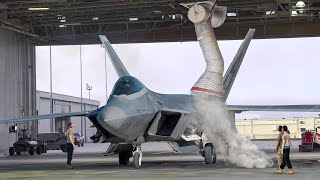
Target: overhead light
(38,8)
(294,13)
(63,20)
(133,19)
(72,24)
(157,11)
(300,4)
(62,25)
(95,18)
(231,14)
(270,12)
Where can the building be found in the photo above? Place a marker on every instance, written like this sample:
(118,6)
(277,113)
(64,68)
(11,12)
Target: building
(18,82)
(65,104)
(61,104)
(267,128)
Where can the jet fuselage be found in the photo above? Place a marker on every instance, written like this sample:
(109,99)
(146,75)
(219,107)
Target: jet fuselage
(132,107)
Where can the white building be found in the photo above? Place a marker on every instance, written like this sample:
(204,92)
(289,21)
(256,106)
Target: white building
(65,104)
(61,104)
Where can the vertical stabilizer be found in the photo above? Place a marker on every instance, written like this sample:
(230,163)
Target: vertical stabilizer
(234,67)
(116,62)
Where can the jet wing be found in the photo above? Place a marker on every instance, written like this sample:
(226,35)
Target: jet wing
(283,108)
(45,116)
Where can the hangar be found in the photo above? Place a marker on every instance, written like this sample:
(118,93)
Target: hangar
(61,104)
(49,22)
(26,24)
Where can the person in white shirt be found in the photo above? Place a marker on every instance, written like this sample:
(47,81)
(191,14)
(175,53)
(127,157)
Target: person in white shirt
(286,143)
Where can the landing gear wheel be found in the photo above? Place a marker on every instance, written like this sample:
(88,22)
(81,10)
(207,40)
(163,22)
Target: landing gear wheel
(210,156)
(11,151)
(38,150)
(31,151)
(137,157)
(124,158)
(18,153)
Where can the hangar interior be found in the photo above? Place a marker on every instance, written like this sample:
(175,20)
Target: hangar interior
(26,24)
(49,22)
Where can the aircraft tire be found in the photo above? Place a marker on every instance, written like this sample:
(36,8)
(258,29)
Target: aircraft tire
(124,158)
(210,154)
(18,153)
(137,160)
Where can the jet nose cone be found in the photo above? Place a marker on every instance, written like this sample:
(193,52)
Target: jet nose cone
(113,117)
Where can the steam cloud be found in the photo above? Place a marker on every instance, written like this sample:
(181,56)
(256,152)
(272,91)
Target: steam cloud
(233,147)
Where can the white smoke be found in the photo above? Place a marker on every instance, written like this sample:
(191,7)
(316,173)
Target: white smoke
(233,147)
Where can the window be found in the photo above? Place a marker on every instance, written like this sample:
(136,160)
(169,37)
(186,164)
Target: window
(302,129)
(302,122)
(127,85)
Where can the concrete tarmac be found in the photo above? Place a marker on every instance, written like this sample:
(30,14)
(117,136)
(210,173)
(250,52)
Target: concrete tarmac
(163,164)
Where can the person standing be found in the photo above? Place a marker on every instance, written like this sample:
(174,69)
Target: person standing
(278,148)
(70,145)
(286,143)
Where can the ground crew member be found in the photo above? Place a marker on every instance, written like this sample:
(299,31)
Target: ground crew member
(70,145)
(286,143)
(278,148)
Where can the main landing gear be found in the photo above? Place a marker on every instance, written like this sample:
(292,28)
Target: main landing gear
(208,152)
(210,156)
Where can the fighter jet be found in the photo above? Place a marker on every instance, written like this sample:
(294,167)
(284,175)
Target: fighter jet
(134,114)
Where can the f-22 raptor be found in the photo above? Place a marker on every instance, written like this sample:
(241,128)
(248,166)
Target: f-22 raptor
(134,114)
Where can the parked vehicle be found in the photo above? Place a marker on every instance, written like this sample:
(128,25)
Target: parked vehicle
(78,139)
(310,141)
(25,144)
(57,141)
(52,140)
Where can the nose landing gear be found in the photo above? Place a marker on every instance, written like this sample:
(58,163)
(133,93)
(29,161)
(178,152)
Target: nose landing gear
(137,157)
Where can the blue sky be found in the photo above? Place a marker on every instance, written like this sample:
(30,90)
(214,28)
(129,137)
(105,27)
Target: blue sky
(274,71)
